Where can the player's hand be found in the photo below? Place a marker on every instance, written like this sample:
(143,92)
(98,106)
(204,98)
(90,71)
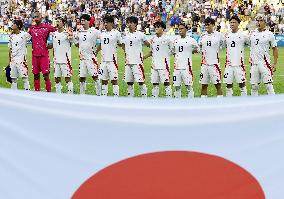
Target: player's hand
(49,46)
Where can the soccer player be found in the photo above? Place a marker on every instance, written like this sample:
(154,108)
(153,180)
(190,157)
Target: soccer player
(261,40)
(235,42)
(210,44)
(161,47)
(110,38)
(183,46)
(40,54)
(133,46)
(86,41)
(62,41)
(17,54)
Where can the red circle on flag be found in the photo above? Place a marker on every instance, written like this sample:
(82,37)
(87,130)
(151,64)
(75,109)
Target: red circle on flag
(172,175)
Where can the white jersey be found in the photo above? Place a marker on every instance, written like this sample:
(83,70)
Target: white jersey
(161,50)
(109,41)
(134,47)
(260,43)
(87,43)
(210,47)
(183,48)
(235,44)
(61,48)
(18,45)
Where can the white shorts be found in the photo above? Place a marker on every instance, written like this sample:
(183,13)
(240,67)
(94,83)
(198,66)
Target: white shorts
(134,72)
(261,72)
(19,69)
(210,73)
(160,76)
(182,75)
(109,71)
(234,72)
(90,67)
(62,70)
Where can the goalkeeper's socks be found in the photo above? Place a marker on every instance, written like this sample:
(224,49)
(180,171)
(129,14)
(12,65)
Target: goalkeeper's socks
(48,85)
(37,85)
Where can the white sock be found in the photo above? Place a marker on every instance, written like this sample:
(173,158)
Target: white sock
(270,89)
(143,89)
(229,92)
(254,90)
(130,90)
(177,92)
(190,91)
(155,91)
(98,87)
(115,89)
(244,91)
(104,90)
(168,91)
(70,87)
(203,96)
(26,84)
(82,87)
(14,85)
(58,87)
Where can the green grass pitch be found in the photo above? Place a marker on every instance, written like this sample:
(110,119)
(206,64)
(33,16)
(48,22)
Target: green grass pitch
(278,76)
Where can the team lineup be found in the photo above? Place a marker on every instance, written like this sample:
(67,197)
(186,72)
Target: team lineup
(161,46)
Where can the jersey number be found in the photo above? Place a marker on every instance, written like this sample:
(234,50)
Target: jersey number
(58,42)
(180,49)
(158,48)
(131,43)
(257,40)
(209,43)
(84,38)
(106,40)
(233,44)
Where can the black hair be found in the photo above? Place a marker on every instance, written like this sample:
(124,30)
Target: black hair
(86,17)
(209,20)
(160,24)
(235,17)
(183,24)
(19,23)
(108,19)
(132,19)
(62,19)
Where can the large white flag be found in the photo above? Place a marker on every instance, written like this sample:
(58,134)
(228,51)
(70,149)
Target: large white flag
(87,147)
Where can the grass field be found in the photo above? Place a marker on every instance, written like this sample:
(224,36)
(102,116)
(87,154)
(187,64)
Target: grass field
(278,76)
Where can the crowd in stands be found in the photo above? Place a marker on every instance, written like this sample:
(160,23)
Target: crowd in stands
(148,11)
(193,12)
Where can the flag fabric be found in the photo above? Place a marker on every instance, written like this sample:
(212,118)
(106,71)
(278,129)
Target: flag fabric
(72,146)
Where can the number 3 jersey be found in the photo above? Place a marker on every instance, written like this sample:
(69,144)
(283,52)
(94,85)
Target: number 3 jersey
(161,50)
(210,46)
(235,44)
(87,40)
(61,48)
(182,48)
(134,47)
(260,43)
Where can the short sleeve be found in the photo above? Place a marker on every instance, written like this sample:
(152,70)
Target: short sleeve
(272,41)
(28,36)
